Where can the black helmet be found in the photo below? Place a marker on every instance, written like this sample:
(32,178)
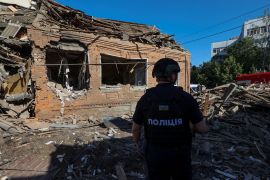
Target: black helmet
(165,68)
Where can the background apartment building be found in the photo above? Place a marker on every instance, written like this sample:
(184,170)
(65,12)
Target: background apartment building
(258,29)
(220,47)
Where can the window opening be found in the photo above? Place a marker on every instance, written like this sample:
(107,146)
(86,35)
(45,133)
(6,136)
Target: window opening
(117,71)
(68,68)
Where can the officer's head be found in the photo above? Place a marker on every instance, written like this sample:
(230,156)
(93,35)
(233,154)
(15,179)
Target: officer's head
(166,70)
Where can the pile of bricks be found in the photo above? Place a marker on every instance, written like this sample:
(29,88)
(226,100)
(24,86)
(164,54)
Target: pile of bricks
(237,145)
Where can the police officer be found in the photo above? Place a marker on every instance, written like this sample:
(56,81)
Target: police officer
(165,112)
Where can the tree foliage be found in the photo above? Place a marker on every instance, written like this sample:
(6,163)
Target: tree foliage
(213,73)
(245,56)
(229,69)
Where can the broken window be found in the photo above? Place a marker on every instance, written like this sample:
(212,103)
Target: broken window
(117,70)
(263,29)
(249,32)
(67,64)
(256,31)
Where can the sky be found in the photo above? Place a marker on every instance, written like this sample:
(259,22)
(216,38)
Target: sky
(187,20)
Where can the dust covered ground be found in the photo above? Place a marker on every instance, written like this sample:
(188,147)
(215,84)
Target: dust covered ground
(237,145)
(232,149)
(86,153)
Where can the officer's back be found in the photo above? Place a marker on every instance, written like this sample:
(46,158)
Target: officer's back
(165,112)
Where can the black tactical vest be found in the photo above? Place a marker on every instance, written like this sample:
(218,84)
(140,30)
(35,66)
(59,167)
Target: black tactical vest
(165,122)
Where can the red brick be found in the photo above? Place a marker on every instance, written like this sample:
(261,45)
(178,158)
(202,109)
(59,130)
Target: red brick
(48,105)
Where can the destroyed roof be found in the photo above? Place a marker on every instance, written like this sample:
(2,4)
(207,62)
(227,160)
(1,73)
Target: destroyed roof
(22,3)
(17,14)
(68,18)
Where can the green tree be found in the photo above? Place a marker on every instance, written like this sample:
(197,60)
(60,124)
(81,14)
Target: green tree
(194,75)
(229,69)
(247,54)
(208,74)
(213,73)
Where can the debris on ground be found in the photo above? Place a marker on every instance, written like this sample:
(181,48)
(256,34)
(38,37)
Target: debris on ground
(237,145)
(85,153)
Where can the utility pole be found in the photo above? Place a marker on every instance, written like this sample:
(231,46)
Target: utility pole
(266,41)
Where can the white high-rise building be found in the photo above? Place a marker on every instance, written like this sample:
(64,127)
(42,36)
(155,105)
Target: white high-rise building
(258,29)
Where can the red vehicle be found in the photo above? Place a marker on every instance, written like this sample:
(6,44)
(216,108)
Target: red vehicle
(263,77)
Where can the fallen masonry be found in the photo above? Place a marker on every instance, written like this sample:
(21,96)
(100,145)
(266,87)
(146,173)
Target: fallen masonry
(58,61)
(71,147)
(237,145)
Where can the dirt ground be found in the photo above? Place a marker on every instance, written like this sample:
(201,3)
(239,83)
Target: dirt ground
(86,153)
(234,148)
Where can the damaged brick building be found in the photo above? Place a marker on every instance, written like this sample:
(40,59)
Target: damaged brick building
(55,61)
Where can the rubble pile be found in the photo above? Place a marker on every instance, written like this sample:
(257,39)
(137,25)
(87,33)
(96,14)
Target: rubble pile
(237,145)
(17,126)
(100,160)
(13,57)
(111,154)
(68,18)
(16,87)
(97,152)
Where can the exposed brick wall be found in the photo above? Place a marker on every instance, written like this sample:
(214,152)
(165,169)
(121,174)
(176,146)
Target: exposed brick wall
(46,100)
(99,102)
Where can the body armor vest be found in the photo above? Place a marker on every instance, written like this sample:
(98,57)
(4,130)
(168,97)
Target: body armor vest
(165,121)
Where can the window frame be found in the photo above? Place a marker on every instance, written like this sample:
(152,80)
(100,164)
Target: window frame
(108,87)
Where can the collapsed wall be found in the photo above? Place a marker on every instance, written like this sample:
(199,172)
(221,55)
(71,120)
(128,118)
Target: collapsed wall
(85,65)
(116,75)
(16,87)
